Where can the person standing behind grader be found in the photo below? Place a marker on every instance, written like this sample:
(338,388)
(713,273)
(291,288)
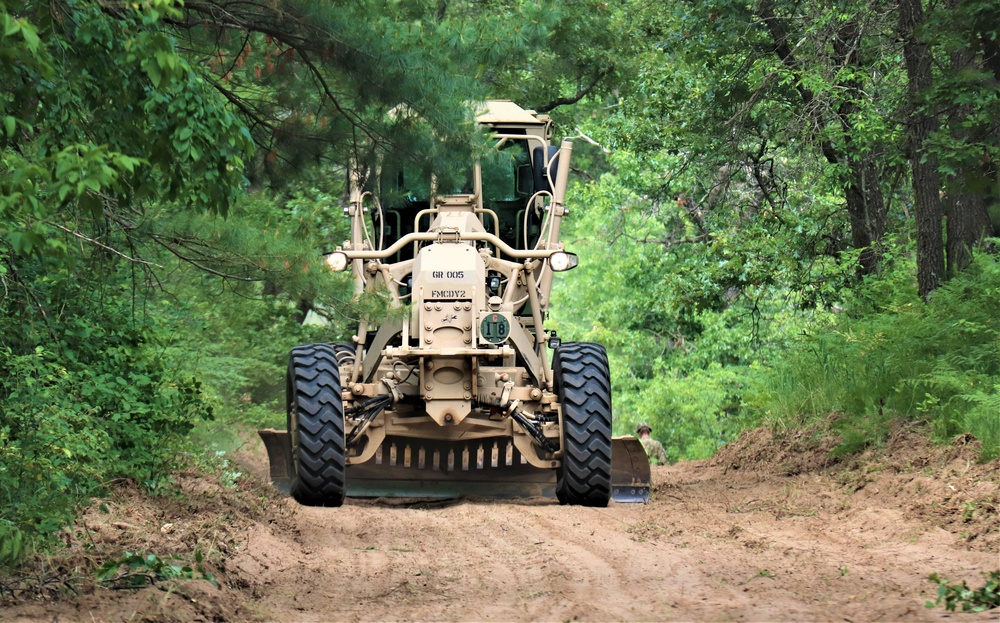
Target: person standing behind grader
(654,449)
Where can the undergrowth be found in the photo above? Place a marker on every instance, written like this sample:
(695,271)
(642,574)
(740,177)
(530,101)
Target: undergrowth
(99,404)
(888,355)
(134,570)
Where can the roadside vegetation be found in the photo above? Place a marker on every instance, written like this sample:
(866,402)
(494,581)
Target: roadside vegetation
(782,211)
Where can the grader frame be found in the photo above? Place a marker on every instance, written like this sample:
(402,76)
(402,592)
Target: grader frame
(465,391)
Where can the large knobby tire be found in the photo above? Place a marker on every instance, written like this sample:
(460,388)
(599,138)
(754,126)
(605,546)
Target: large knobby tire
(316,426)
(583,384)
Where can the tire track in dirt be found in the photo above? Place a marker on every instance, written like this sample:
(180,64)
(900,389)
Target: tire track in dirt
(764,532)
(470,561)
(712,545)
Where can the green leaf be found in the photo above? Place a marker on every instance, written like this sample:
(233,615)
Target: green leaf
(10,125)
(10,25)
(30,37)
(154,73)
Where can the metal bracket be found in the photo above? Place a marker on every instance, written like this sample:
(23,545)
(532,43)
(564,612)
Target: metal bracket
(505,393)
(391,384)
(449,234)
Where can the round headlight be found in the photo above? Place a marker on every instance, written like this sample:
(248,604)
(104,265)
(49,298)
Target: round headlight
(561,260)
(337,261)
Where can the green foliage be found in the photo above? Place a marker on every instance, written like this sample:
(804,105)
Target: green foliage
(321,83)
(109,112)
(13,544)
(234,334)
(937,361)
(691,414)
(686,303)
(98,404)
(953,595)
(134,571)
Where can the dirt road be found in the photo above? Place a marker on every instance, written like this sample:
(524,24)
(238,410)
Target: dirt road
(762,533)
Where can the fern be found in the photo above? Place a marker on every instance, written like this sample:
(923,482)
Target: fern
(937,361)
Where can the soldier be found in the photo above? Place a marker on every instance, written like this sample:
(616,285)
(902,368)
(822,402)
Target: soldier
(654,449)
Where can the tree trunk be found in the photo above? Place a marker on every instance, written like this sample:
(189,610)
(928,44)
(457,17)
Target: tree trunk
(920,125)
(867,209)
(968,222)
(863,188)
(966,201)
(991,60)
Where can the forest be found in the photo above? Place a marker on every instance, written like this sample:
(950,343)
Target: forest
(787,213)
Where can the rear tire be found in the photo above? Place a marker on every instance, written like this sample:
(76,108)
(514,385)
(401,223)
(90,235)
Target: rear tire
(316,426)
(583,384)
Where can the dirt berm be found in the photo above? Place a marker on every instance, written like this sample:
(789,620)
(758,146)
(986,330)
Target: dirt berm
(769,530)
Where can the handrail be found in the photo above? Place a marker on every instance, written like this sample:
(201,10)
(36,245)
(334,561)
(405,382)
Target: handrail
(428,236)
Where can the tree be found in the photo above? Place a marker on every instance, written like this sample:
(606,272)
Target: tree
(837,116)
(924,165)
(963,97)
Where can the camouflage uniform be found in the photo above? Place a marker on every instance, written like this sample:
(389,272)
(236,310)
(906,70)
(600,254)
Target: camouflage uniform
(654,449)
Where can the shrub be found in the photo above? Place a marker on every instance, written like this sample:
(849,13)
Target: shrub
(937,361)
(97,404)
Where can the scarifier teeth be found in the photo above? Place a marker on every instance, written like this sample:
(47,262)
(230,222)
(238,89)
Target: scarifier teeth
(447,457)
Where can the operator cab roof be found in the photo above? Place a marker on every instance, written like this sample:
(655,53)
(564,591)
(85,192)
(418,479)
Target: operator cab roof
(506,112)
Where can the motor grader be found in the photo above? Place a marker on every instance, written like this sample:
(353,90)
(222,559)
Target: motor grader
(463,391)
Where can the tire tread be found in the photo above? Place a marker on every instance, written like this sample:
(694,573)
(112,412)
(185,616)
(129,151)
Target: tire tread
(583,382)
(316,411)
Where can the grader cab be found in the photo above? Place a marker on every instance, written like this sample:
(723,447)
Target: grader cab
(464,391)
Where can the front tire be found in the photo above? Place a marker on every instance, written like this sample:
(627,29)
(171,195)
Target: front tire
(315,410)
(583,385)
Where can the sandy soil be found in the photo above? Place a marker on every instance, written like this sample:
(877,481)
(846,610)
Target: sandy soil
(769,530)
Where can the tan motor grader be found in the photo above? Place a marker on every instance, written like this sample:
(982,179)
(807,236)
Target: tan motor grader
(457,394)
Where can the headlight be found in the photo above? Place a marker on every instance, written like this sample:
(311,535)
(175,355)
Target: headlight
(337,261)
(561,261)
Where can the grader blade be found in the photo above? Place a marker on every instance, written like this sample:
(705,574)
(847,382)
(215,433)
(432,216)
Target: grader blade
(630,474)
(279,456)
(415,468)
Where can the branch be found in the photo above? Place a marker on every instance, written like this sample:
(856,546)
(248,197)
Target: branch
(197,263)
(239,102)
(299,35)
(671,242)
(101,245)
(780,37)
(328,93)
(580,92)
(27,291)
(580,134)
